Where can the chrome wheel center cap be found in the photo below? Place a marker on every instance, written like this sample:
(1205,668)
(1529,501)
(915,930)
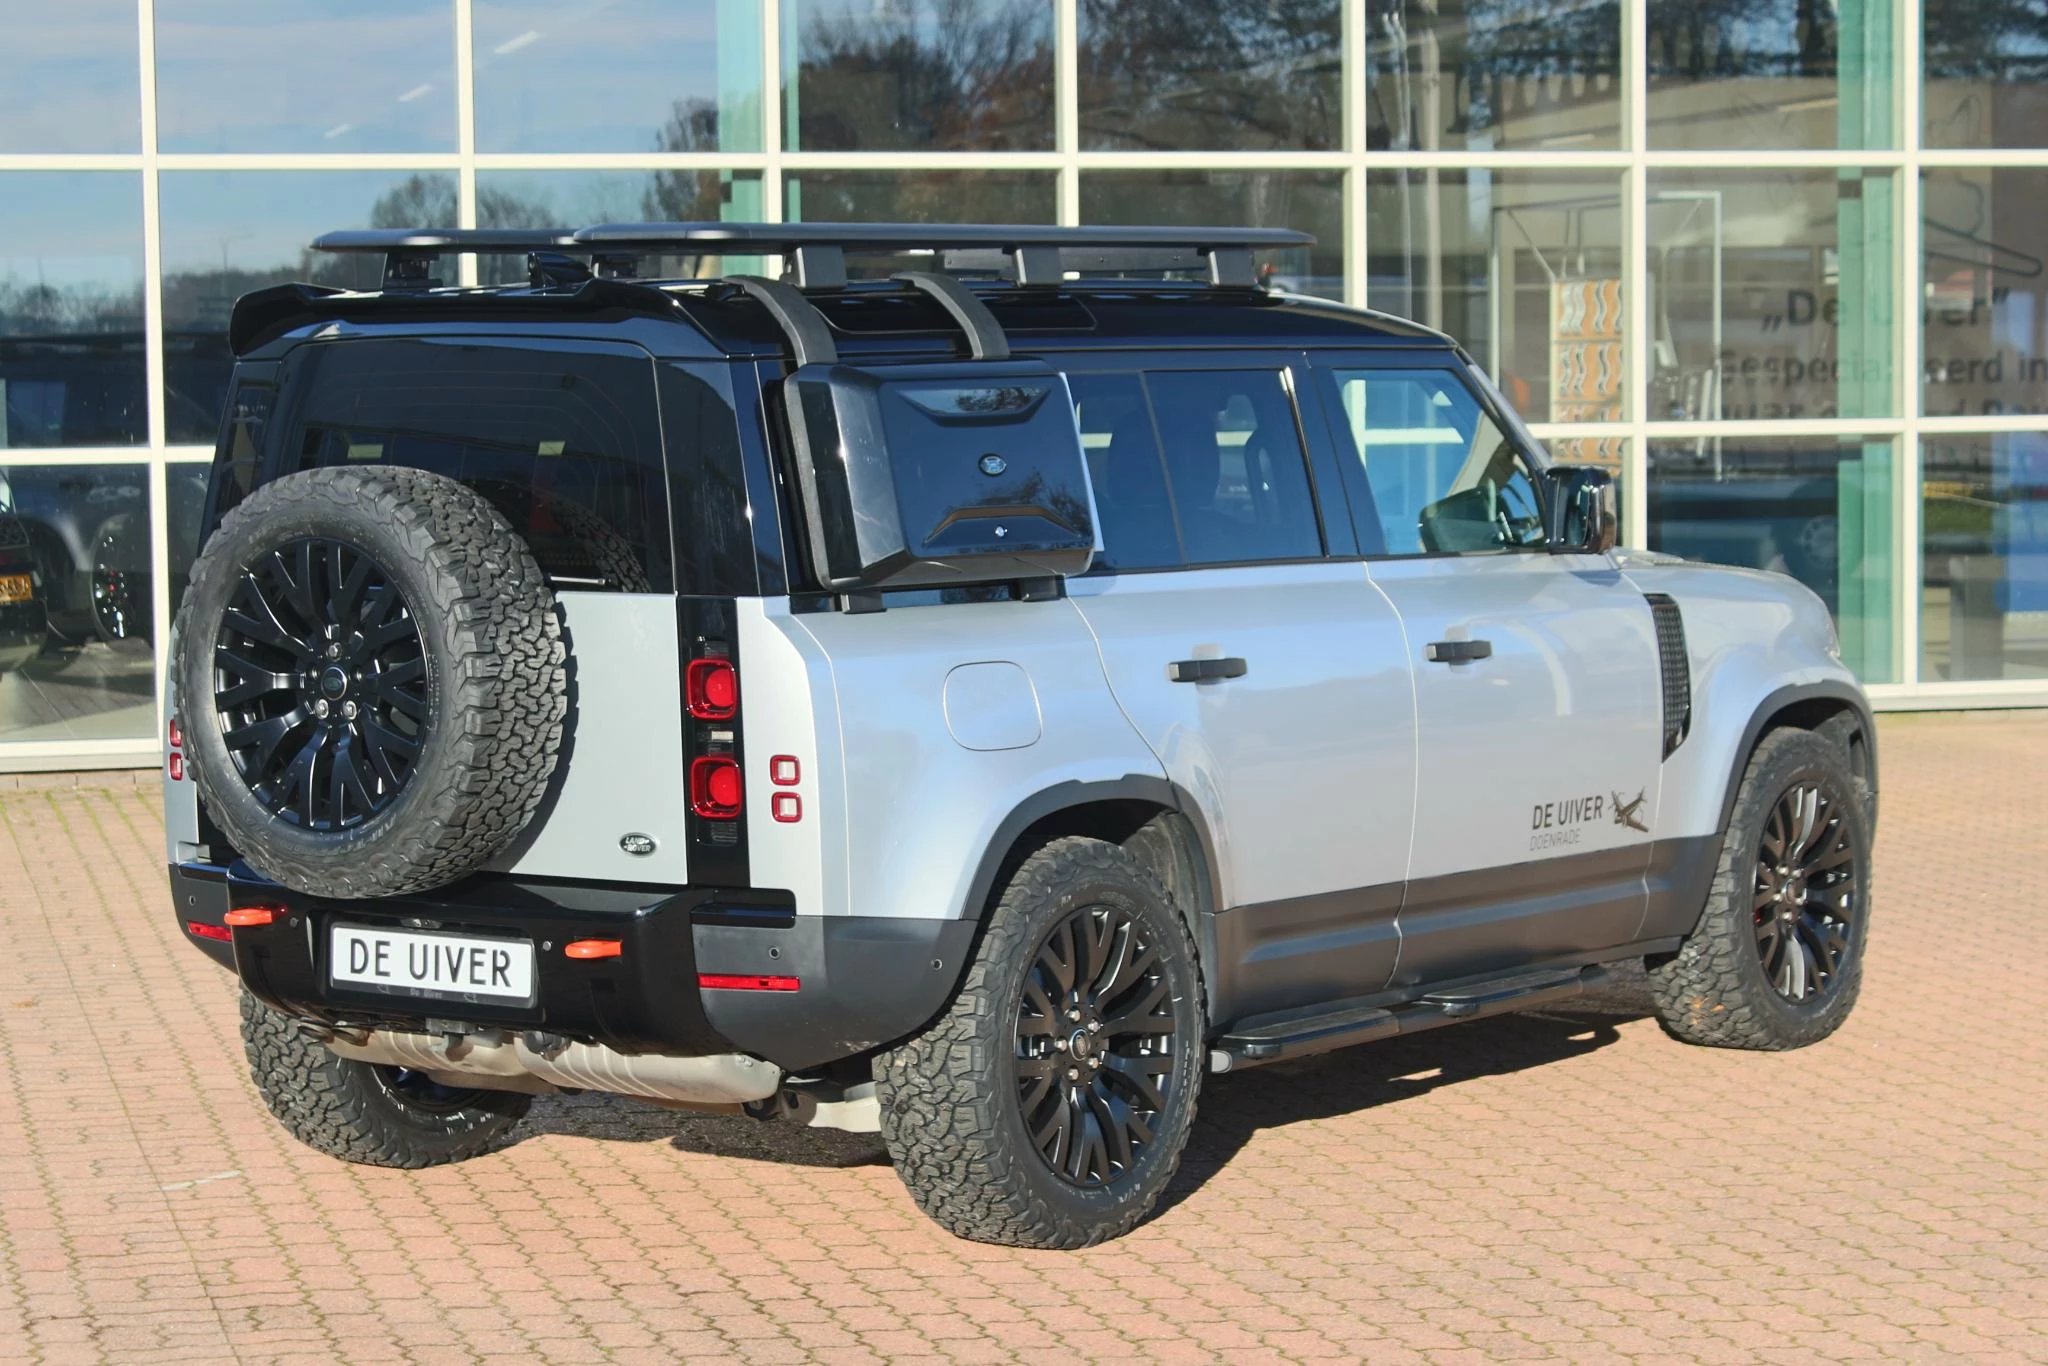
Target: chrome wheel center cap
(1080,1044)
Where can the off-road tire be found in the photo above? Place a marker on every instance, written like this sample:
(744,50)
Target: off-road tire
(495,681)
(951,1113)
(358,1111)
(1714,990)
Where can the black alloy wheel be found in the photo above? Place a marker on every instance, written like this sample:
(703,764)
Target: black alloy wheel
(1806,895)
(1096,1046)
(321,684)
(120,598)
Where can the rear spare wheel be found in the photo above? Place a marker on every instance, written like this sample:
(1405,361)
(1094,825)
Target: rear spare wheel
(370,671)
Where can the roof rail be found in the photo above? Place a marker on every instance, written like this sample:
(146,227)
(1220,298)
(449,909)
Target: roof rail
(1033,253)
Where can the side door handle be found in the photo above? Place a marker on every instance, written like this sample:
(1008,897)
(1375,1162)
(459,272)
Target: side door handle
(1198,670)
(1458,651)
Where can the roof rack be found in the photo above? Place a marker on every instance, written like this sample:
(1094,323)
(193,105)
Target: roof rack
(1033,254)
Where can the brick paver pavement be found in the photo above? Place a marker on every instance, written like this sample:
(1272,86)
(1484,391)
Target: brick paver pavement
(1568,1184)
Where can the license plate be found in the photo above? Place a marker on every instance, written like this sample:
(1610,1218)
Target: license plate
(16,588)
(446,967)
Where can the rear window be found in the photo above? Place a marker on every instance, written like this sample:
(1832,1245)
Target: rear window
(563,439)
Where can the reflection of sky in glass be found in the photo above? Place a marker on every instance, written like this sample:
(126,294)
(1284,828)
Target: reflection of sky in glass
(572,199)
(312,76)
(235,226)
(67,77)
(607,75)
(73,231)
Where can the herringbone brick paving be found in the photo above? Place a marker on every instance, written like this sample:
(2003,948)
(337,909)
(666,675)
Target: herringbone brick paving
(1565,1185)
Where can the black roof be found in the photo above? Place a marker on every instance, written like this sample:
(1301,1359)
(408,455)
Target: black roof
(1018,271)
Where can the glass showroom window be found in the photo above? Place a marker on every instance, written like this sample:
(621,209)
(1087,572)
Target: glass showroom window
(574,199)
(67,78)
(1785,75)
(1509,74)
(226,233)
(72,371)
(628,76)
(1817,508)
(1772,294)
(1210,75)
(1523,267)
(1984,323)
(76,587)
(1987,73)
(1310,200)
(1984,556)
(918,75)
(921,197)
(314,76)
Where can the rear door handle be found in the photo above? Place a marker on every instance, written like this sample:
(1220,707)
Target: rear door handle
(1197,670)
(1459,651)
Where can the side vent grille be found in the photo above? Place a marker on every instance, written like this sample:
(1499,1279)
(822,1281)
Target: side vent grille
(1677,670)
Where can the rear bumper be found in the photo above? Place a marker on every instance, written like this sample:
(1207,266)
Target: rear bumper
(860,981)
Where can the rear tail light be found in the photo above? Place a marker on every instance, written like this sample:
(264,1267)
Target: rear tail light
(177,734)
(177,767)
(787,808)
(712,689)
(175,764)
(715,790)
(199,929)
(243,916)
(731,981)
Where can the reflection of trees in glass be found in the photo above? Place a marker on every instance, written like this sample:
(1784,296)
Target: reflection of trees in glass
(1210,74)
(2005,41)
(45,310)
(1695,40)
(925,74)
(1472,50)
(922,196)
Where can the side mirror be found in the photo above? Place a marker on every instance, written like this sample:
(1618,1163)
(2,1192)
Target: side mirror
(1584,510)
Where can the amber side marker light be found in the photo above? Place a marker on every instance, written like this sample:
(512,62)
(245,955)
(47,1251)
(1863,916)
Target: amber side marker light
(252,915)
(728,981)
(593,948)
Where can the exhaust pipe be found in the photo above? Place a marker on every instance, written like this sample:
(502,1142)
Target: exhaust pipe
(491,1060)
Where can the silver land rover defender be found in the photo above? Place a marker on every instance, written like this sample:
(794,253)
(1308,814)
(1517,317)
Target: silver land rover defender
(975,700)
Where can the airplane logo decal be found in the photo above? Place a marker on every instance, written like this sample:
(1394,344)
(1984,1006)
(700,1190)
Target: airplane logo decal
(1625,812)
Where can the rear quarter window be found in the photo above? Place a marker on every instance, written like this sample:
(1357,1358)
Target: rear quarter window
(564,440)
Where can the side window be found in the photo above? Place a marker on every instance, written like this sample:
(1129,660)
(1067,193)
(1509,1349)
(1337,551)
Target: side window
(1234,459)
(564,441)
(1196,467)
(1444,478)
(1131,501)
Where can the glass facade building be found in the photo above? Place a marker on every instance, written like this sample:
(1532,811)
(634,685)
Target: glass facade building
(1780,263)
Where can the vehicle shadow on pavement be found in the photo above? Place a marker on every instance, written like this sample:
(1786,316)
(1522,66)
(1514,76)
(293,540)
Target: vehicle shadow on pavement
(620,1119)
(1234,1107)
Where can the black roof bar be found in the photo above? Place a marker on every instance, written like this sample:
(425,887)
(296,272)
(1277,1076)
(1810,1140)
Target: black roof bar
(1037,254)
(986,339)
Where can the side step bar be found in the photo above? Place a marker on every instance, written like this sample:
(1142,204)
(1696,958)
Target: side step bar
(1304,1034)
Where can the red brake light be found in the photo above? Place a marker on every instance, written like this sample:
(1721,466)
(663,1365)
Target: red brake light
(199,929)
(252,915)
(177,734)
(715,790)
(731,981)
(177,767)
(712,689)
